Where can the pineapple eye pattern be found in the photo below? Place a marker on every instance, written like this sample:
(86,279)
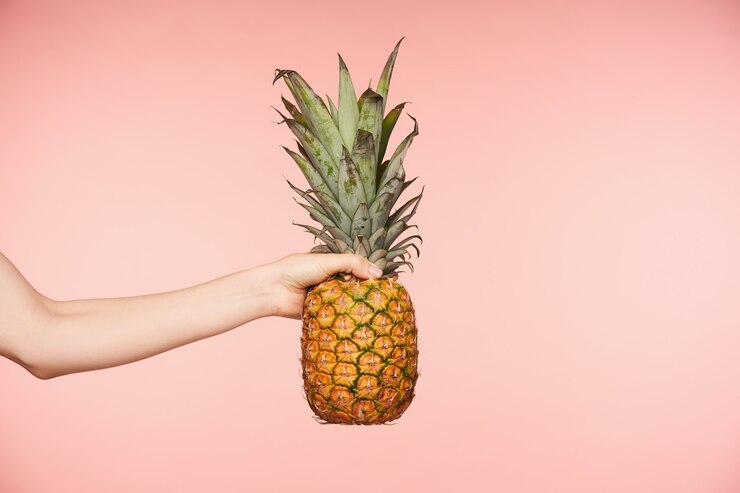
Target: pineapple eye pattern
(369,374)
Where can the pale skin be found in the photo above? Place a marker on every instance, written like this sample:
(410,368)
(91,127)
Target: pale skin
(51,338)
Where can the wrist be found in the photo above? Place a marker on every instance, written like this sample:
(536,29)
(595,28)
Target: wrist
(260,292)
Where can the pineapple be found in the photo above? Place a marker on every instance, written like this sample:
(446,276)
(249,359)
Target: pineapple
(359,345)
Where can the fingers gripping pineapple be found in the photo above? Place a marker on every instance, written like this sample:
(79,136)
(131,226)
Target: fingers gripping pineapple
(359,346)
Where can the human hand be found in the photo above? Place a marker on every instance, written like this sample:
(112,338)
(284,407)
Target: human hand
(290,277)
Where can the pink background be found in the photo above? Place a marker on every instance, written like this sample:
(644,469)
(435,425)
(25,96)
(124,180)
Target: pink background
(577,293)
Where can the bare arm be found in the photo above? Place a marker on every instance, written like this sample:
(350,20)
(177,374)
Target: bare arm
(52,338)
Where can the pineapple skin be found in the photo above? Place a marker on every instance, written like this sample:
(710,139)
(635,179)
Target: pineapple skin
(359,350)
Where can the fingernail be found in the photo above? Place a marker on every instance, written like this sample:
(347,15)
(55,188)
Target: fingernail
(375,271)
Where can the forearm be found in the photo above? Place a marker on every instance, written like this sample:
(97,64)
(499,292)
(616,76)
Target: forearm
(52,338)
(89,334)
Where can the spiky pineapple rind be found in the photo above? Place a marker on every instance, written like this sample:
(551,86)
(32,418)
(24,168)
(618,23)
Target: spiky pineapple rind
(359,350)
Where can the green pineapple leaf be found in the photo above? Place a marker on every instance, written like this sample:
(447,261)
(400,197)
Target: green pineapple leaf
(361,246)
(328,241)
(408,183)
(380,209)
(409,240)
(351,192)
(388,123)
(308,198)
(324,249)
(394,165)
(294,112)
(394,265)
(363,155)
(315,111)
(381,265)
(395,230)
(327,205)
(371,116)
(385,77)
(339,235)
(361,222)
(318,216)
(317,154)
(399,252)
(284,118)
(313,177)
(333,111)
(413,201)
(349,114)
(343,246)
(393,186)
(377,255)
(408,216)
(377,239)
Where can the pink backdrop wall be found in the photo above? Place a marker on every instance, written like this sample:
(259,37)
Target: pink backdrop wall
(578,289)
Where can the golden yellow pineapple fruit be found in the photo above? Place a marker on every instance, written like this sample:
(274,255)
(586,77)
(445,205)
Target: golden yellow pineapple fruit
(359,350)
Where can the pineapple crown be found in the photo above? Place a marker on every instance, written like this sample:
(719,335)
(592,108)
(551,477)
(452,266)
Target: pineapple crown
(341,153)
